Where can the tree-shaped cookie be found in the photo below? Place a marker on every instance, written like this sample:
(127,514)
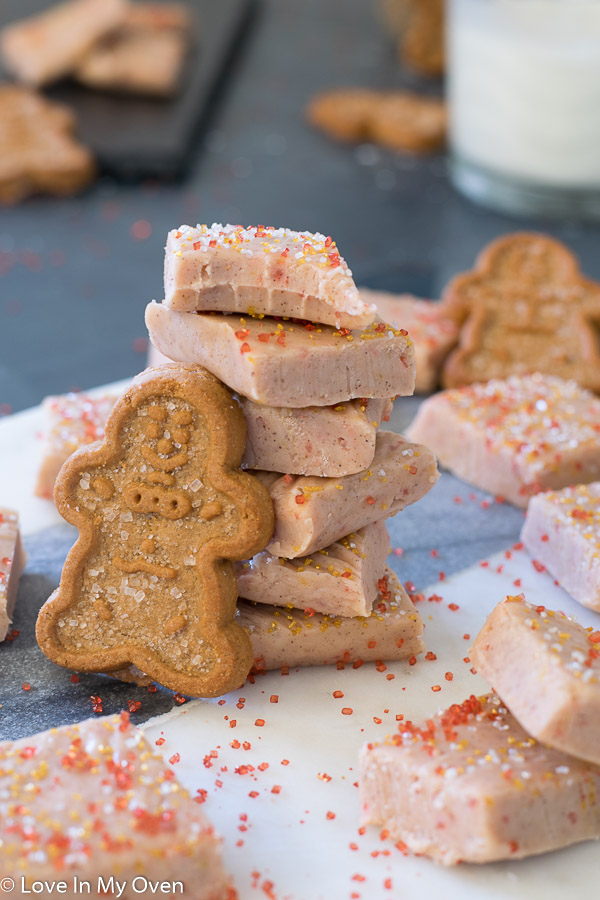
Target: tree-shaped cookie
(525,307)
(161,510)
(39,152)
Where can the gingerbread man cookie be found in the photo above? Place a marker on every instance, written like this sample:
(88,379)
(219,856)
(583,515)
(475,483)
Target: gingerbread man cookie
(38,151)
(161,510)
(524,308)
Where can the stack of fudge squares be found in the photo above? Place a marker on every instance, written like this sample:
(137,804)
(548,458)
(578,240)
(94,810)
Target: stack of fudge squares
(276,316)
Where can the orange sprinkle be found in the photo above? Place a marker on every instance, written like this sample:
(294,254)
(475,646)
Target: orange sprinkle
(274,698)
(435,688)
(259,723)
(347,710)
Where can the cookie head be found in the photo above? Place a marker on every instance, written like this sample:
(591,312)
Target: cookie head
(524,308)
(161,508)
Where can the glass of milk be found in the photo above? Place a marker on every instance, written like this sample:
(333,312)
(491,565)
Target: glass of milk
(524,101)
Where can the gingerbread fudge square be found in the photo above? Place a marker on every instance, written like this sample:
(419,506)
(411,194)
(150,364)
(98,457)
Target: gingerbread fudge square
(284,363)
(45,47)
(433,334)
(326,441)
(562,531)
(514,437)
(293,637)
(145,55)
(315,440)
(12,563)
(340,580)
(71,422)
(262,271)
(92,800)
(311,513)
(546,668)
(470,785)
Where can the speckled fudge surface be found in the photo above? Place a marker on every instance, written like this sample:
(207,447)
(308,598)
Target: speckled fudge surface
(546,668)
(282,363)
(294,637)
(471,785)
(262,271)
(93,800)
(562,532)
(515,437)
(311,513)
(12,563)
(339,580)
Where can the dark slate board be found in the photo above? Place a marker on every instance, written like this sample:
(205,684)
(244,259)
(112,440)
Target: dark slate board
(136,137)
(461,532)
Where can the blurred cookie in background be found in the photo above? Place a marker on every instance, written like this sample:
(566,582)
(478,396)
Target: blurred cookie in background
(400,120)
(38,152)
(418,27)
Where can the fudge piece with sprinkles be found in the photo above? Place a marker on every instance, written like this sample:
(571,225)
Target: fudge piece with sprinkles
(562,531)
(434,335)
(340,580)
(12,563)
(71,422)
(514,437)
(91,800)
(470,785)
(293,637)
(262,271)
(546,668)
(284,363)
(311,513)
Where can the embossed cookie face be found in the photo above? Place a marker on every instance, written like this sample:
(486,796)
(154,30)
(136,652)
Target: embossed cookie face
(162,511)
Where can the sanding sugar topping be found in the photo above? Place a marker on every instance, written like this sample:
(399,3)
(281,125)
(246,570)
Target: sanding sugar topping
(481,734)
(535,416)
(72,793)
(301,246)
(390,605)
(77,419)
(578,508)
(570,646)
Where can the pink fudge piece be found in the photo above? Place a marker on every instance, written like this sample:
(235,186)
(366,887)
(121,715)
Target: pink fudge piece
(45,47)
(286,363)
(562,531)
(434,335)
(340,580)
(103,803)
(546,668)
(311,513)
(290,637)
(325,441)
(318,440)
(72,421)
(514,437)
(262,271)
(470,785)
(12,563)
